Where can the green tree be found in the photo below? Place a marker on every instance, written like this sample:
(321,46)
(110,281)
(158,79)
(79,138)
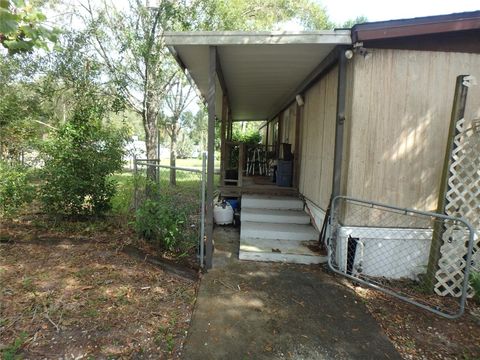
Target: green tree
(21,108)
(85,149)
(130,44)
(22,27)
(16,188)
(358,20)
(249,15)
(80,157)
(179,97)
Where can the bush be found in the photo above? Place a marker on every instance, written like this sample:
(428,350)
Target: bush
(16,189)
(251,137)
(122,201)
(475,283)
(80,158)
(163,221)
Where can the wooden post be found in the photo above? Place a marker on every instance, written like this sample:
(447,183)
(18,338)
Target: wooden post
(296,159)
(279,134)
(458,112)
(211,157)
(340,123)
(266,140)
(228,145)
(222,139)
(230,125)
(241,161)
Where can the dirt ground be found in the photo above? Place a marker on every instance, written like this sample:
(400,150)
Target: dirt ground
(83,297)
(419,334)
(77,293)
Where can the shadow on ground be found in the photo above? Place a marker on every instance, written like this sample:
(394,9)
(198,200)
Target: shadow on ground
(251,310)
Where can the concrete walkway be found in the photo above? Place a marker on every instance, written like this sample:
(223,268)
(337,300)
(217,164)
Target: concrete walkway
(250,310)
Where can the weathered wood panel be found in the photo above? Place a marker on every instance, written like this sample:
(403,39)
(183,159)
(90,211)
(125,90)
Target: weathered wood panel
(398,125)
(317,140)
(271,132)
(288,125)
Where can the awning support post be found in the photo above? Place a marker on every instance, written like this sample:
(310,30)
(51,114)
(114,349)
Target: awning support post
(211,152)
(223,147)
(340,122)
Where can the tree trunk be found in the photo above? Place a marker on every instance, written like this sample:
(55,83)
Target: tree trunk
(151,140)
(173,156)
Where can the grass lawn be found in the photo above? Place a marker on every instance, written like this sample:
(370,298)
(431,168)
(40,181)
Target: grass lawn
(195,163)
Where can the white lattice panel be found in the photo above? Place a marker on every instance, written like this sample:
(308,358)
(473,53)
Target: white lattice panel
(462,199)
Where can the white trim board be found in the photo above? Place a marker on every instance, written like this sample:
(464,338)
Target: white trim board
(219,38)
(316,213)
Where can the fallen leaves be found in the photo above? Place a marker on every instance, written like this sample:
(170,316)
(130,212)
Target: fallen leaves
(86,299)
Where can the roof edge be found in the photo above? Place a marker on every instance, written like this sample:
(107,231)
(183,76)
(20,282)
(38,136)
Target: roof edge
(219,38)
(416,26)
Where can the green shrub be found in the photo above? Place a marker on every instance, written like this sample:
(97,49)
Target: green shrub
(122,201)
(10,352)
(251,137)
(16,189)
(475,283)
(163,221)
(80,158)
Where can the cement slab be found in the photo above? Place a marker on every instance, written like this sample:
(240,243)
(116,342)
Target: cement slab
(250,310)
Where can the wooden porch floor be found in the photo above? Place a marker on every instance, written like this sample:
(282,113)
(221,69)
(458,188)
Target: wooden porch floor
(257,185)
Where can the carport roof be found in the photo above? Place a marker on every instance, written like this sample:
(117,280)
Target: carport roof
(261,70)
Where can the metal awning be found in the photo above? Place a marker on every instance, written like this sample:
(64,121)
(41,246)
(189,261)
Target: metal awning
(261,70)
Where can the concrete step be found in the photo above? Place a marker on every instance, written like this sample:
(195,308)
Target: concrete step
(296,252)
(284,258)
(274,216)
(279,246)
(294,232)
(271,202)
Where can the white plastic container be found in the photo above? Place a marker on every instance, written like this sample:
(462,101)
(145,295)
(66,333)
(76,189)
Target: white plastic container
(223,213)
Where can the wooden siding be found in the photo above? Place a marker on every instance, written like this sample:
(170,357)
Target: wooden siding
(397,124)
(271,131)
(317,140)
(288,128)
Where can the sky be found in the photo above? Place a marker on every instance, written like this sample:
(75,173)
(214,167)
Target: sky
(340,11)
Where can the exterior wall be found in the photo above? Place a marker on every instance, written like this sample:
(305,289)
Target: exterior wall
(271,132)
(397,125)
(317,140)
(288,125)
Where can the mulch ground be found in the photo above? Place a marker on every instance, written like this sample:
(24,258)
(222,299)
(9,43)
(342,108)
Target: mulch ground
(419,334)
(80,296)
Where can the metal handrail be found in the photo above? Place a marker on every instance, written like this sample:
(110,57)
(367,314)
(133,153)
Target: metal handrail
(144,162)
(374,204)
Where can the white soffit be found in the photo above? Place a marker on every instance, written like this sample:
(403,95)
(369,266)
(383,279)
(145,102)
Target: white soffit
(260,69)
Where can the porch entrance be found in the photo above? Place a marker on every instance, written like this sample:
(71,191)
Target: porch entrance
(261,77)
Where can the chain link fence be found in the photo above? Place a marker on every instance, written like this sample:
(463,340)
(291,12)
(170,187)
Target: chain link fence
(177,197)
(397,251)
